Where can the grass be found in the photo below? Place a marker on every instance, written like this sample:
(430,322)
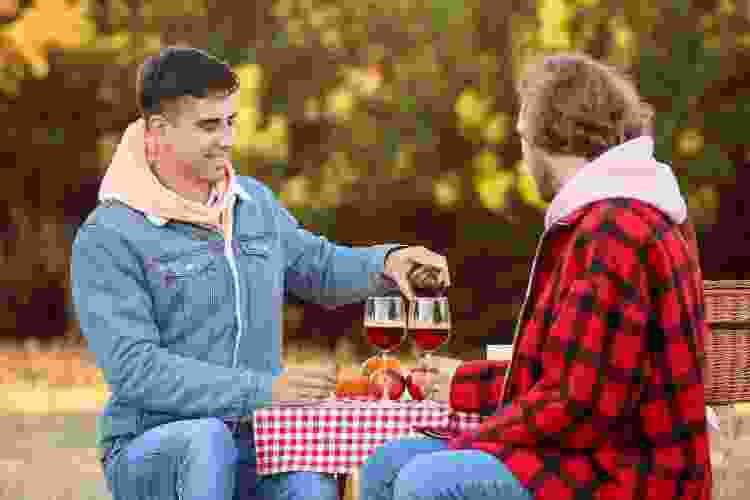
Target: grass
(48,406)
(38,399)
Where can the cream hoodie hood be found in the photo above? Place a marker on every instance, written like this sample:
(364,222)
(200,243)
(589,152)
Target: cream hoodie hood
(130,180)
(625,171)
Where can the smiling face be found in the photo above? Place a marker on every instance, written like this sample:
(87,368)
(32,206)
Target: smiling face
(195,139)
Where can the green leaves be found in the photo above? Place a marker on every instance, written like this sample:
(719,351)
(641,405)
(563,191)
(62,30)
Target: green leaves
(713,166)
(731,119)
(681,74)
(444,12)
(391,143)
(424,133)
(279,168)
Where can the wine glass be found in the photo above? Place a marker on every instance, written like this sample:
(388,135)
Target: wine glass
(385,329)
(429,327)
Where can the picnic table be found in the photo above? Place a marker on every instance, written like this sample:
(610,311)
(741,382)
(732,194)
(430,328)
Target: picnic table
(336,436)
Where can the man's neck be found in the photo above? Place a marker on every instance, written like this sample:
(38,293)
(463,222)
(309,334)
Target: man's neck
(565,167)
(197,193)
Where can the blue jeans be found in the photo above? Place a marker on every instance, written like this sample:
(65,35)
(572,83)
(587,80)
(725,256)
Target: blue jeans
(201,460)
(418,468)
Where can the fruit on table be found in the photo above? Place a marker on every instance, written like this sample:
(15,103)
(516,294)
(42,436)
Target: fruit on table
(376,363)
(350,383)
(419,380)
(396,383)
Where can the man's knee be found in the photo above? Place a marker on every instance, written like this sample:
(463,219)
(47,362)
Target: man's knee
(412,477)
(398,452)
(467,474)
(387,459)
(191,450)
(298,486)
(381,468)
(210,437)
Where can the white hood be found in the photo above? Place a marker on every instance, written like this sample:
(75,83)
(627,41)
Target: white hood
(625,171)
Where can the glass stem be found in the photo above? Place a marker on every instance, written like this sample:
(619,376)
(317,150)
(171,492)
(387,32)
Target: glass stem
(426,360)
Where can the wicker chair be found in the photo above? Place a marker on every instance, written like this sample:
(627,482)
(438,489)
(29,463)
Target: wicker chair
(728,344)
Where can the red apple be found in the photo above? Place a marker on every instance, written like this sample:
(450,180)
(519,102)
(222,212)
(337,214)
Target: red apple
(396,383)
(418,381)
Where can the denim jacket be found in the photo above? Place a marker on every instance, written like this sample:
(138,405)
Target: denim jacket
(184,325)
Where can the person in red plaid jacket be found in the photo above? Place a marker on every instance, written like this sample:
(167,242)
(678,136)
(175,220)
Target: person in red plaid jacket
(604,395)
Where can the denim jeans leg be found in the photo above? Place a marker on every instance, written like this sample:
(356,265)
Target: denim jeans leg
(457,475)
(298,486)
(379,472)
(184,460)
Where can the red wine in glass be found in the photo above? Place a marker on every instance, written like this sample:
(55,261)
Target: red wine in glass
(430,339)
(386,337)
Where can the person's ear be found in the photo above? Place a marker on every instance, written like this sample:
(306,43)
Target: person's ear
(153,137)
(157,124)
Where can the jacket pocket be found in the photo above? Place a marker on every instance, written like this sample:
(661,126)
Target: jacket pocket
(185,267)
(188,287)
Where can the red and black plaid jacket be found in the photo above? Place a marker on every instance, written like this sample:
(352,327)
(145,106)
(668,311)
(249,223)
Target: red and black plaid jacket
(604,393)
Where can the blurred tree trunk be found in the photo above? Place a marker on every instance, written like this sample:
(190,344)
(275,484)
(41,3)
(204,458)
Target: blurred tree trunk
(102,14)
(136,26)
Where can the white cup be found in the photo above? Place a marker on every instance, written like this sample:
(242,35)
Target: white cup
(502,352)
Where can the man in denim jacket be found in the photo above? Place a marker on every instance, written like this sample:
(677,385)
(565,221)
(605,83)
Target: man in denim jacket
(178,280)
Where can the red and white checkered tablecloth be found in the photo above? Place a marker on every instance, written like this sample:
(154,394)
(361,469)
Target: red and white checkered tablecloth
(337,436)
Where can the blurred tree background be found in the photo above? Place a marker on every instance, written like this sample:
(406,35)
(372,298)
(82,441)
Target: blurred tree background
(387,120)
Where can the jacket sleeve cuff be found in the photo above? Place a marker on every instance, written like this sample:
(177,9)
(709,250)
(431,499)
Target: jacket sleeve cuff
(476,386)
(390,250)
(262,394)
(379,281)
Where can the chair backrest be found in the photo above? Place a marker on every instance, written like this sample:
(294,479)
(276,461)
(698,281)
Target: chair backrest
(728,344)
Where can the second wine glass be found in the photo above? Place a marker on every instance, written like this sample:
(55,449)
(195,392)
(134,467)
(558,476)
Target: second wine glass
(429,326)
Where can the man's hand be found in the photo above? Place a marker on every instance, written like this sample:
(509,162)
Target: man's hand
(304,384)
(431,269)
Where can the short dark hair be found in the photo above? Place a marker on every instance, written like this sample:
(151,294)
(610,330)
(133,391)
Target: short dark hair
(579,106)
(181,71)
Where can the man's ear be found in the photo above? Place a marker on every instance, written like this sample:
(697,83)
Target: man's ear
(157,124)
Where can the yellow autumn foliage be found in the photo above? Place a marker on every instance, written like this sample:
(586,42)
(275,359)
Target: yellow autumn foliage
(528,188)
(491,182)
(48,23)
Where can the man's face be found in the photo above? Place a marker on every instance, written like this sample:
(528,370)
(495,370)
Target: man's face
(538,163)
(197,138)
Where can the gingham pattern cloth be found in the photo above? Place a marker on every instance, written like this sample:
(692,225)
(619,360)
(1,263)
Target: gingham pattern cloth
(337,436)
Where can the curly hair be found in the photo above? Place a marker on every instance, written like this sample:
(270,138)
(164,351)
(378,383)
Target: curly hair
(575,105)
